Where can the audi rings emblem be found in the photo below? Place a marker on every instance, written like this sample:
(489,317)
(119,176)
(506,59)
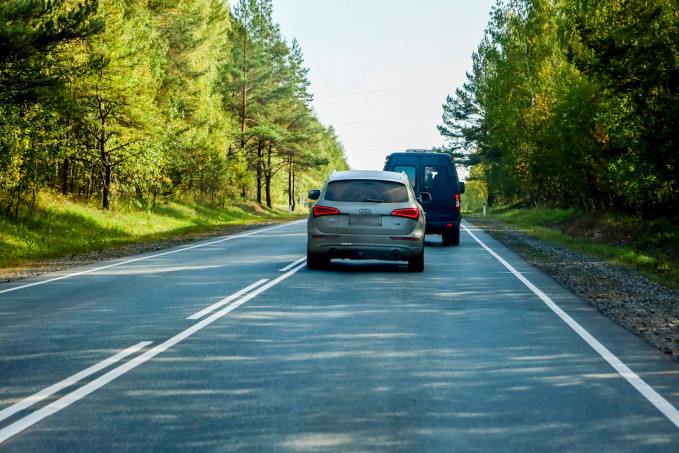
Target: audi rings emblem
(365,211)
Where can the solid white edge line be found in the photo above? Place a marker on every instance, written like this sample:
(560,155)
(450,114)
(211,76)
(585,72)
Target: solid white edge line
(228,238)
(292,264)
(41,395)
(85,390)
(226,300)
(642,387)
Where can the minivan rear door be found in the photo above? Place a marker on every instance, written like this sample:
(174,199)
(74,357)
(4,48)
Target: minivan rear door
(439,182)
(408,165)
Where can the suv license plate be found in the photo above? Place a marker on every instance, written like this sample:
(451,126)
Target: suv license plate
(365,220)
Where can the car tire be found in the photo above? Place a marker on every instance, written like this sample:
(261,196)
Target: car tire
(316,262)
(452,237)
(416,264)
(445,238)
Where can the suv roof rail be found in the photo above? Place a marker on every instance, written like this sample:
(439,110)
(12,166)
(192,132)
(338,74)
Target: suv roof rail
(419,151)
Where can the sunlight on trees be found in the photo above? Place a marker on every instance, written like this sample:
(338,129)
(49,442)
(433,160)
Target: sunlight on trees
(110,101)
(574,104)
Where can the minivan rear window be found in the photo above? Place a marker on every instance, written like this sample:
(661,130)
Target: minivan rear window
(366,191)
(409,170)
(436,177)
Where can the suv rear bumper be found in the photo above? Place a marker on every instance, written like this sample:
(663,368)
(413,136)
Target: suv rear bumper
(356,247)
(366,253)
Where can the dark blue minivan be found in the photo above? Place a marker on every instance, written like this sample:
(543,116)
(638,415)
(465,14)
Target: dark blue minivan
(434,178)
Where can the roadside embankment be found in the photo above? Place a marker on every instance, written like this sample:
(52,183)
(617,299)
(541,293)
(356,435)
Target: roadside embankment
(61,233)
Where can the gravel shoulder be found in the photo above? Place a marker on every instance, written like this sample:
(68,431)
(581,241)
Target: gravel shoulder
(641,306)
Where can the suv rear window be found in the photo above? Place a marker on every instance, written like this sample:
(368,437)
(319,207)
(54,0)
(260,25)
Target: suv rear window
(370,191)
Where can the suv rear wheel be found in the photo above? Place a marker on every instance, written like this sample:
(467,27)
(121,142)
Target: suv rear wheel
(416,264)
(315,262)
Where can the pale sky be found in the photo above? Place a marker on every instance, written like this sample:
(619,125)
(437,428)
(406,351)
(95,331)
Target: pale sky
(380,70)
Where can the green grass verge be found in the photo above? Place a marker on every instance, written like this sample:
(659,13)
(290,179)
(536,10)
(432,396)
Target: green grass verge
(650,247)
(60,227)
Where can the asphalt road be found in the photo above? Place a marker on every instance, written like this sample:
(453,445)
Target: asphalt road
(233,345)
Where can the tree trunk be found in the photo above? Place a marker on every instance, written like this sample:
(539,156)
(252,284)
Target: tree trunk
(268,188)
(64,185)
(108,169)
(245,89)
(104,157)
(291,196)
(16,209)
(294,191)
(74,173)
(89,187)
(260,171)
(267,174)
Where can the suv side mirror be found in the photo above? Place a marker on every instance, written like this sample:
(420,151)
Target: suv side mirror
(314,194)
(461,184)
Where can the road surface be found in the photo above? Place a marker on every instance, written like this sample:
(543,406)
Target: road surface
(232,344)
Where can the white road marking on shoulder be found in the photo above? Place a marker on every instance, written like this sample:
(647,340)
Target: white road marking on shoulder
(293,264)
(89,271)
(646,390)
(226,300)
(52,408)
(41,395)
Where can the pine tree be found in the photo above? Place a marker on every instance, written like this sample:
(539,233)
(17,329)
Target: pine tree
(31,33)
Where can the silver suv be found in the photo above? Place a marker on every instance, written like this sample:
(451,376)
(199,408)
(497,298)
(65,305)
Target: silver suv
(366,215)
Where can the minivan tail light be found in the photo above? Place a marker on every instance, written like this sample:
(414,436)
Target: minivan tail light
(410,213)
(457,201)
(324,210)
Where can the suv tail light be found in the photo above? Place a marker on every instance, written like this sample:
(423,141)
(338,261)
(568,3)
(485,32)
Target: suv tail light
(324,210)
(457,201)
(410,213)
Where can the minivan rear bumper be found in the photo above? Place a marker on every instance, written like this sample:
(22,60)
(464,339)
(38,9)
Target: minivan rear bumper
(442,227)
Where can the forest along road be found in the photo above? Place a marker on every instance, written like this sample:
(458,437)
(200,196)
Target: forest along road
(232,344)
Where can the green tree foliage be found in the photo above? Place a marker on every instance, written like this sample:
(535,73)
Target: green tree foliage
(247,76)
(122,99)
(197,132)
(265,87)
(117,112)
(34,36)
(37,41)
(571,103)
(631,48)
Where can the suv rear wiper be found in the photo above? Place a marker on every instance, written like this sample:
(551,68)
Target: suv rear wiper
(373,200)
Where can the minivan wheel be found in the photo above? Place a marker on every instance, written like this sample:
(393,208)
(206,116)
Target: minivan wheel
(416,264)
(451,237)
(315,262)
